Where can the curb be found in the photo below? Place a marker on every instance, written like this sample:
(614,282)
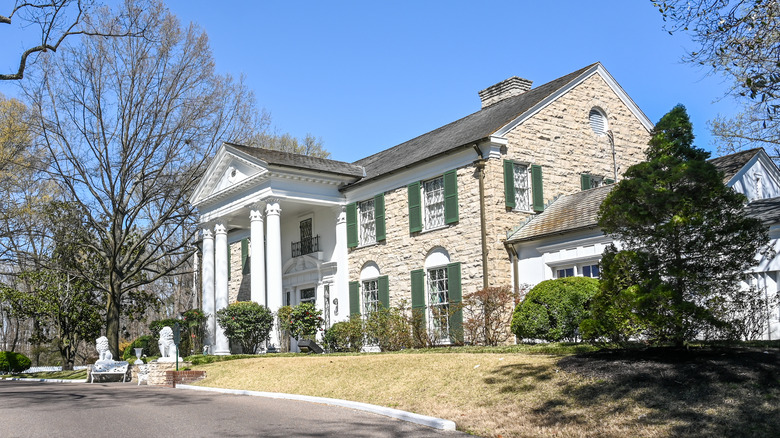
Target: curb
(436,423)
(29,379)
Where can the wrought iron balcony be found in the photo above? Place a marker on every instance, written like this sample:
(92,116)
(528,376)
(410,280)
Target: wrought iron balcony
(306,246)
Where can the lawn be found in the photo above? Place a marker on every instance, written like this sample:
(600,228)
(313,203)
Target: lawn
(554,392)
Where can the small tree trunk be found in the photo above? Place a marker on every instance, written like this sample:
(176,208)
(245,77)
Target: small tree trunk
(112,325)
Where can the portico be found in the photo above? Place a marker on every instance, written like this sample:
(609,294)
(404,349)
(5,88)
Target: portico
(271,233)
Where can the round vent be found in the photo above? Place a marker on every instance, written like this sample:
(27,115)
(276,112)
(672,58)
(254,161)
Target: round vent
(598,121)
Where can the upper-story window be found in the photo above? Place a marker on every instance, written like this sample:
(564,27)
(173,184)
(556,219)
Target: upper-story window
(588,181)
(433,203)
(433,200)
(523,186)
(367,222)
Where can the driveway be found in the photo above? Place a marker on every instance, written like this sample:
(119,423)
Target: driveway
(36,409)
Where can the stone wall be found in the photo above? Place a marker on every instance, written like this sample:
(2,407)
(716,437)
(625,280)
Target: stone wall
(403,252)
(239,288)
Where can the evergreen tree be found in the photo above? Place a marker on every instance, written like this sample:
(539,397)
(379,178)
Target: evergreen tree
(685,243)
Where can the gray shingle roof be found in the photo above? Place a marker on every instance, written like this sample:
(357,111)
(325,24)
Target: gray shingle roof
(732,163)
(301,161)
(767,210)
(461,133)
(578,211)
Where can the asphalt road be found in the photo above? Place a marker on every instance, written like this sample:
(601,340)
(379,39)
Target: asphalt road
(38,409)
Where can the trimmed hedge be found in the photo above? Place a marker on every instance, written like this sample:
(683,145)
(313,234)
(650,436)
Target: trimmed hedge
(553,310)
(13,362)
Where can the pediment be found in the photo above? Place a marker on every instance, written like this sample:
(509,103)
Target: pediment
(229,169)
(301,264)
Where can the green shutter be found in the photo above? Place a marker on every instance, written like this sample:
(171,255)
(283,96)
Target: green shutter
(456,297)
(418,294)
(244,256)
(352,231)
(536,189)
(509,183)
(609,181)
(354,298)
(585,181)
(415,208)
(451,197)
(379,216)
(383,288)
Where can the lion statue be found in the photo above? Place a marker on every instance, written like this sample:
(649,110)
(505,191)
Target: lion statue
(166,344)
(101,344)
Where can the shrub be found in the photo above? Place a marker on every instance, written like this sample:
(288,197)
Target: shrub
(305,321)
(246,323)
(390,329)
(488,315)
(345,336)
(147,342)
(553,309)
(13,362)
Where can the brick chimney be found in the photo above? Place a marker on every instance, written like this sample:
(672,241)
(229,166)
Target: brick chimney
(504,89)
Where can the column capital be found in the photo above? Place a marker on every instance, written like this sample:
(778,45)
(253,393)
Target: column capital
(256,211)
(342,217)
(273,208)
(220,228)
(207,233)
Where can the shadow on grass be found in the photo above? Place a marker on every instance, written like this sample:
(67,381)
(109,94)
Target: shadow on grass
(705,392)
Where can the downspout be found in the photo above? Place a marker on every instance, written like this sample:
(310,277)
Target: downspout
(515,274)
(611,138)
(480,164)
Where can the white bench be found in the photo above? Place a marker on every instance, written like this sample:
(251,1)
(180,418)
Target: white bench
(109,368)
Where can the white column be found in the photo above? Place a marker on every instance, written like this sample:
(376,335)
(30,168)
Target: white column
(222,346)
(208,288)
(342,269)
(274,262)
(257,256)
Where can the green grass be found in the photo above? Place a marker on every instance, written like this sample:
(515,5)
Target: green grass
(67,375)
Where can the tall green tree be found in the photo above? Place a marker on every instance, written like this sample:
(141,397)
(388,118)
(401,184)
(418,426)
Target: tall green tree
(685,242)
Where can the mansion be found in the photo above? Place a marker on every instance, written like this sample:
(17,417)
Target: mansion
(427,221)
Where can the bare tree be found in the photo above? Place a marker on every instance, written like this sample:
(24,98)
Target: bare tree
(57,20)
(129,124)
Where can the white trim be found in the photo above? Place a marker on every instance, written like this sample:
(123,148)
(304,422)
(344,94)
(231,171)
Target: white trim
(573,261)
(571,243)
(596,69)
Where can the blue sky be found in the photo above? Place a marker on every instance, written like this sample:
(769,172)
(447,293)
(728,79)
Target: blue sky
(367,75)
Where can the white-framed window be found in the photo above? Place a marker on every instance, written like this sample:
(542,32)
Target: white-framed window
(433,203)
(565,272)
(370,297)
(366,223)
(438,303)
(522,183)
(591,271)
(308,295)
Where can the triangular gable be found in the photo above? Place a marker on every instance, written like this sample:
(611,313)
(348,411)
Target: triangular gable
(229,168)
(595,69)
(758,178)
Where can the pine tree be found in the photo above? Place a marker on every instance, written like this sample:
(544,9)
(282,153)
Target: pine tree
(685,242)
